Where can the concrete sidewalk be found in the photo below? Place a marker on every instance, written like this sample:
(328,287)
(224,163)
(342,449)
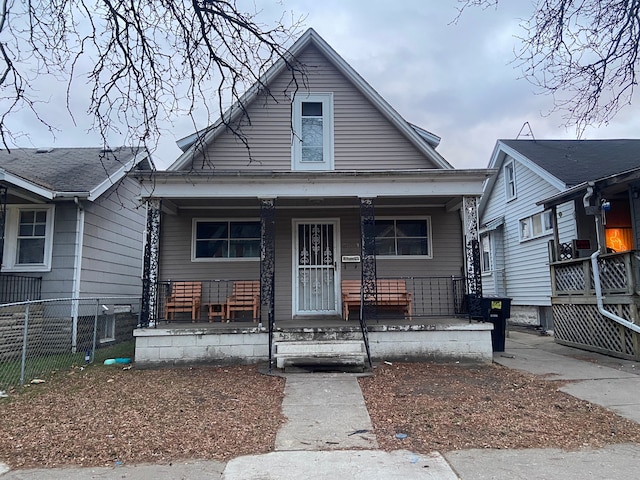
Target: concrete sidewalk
(328,434)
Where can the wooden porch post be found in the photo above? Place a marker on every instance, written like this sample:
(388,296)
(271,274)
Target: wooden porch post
(148,312)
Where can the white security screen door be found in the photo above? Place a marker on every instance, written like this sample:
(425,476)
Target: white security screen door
(315,268)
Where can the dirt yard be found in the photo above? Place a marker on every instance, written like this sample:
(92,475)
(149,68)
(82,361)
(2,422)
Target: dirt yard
(104,416)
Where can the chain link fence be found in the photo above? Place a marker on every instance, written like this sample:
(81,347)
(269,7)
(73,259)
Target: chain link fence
(38,338)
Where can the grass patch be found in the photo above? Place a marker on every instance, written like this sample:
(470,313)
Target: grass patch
(44,366)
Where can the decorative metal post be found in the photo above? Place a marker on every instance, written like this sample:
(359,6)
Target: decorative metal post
(368,290)
(472,255)
(148,314)
(268,265)
(3,218)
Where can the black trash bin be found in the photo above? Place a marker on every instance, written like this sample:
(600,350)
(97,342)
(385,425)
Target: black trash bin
(497,310)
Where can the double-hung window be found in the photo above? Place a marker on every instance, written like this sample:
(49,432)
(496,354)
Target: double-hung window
(486,258)
(225,239)
(28,238)
(312,132)
(536,225)
(510,180)
(403,237)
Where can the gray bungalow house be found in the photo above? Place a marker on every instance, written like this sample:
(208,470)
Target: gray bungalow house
(311,215)
(71,223)
(521,233)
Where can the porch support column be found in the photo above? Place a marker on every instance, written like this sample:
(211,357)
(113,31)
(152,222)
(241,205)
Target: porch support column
(3,217)
(148,313)
(368,257)
(472,254)
(268,265)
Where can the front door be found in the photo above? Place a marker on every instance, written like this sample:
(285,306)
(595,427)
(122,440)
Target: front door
(315,283)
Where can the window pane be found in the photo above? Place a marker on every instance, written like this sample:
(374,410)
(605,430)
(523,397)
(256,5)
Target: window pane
(244,248)
(41,216)
(537,224)
(312,154)
(486,254)
(548,221)
(311,109)
(209,230)
(412,246)
(25,230)
(385,228)
(211,249)
(311,132)
(31,251)
(245,230)
(385,246)
(411,228)
(27,216)
(524,229)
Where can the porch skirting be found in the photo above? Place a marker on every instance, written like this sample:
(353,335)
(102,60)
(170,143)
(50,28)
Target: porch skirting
(443,340)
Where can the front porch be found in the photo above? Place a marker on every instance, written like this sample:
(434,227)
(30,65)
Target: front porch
(578,322)
(435,338)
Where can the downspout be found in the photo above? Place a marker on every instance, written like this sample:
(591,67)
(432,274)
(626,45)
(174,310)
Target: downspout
(77,269)
(596,271)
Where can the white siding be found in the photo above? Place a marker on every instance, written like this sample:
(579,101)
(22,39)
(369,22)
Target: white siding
(113,242)
(364,139)
(526,263)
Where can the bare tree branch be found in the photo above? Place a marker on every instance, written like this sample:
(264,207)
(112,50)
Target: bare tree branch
(145,61)
(582,52)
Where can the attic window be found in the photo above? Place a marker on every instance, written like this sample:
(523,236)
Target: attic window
(312,147)
(510,180)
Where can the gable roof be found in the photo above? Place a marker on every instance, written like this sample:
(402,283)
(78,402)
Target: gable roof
(423,140)
(565,163)
(63,172)
(577,161)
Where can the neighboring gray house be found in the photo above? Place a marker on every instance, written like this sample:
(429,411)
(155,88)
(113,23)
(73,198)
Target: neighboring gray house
(515,231)
(71,223)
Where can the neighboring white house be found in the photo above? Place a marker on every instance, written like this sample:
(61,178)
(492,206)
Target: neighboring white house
(515,231)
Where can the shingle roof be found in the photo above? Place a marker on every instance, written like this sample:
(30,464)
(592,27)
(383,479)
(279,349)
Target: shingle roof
(577,161)
(66,169)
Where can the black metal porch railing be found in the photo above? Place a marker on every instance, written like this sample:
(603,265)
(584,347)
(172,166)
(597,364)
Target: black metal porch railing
(17,288)
(239,300)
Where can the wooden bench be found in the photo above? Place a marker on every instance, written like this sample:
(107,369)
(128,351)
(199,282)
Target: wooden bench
(183,297)
(245,297)
(390,293)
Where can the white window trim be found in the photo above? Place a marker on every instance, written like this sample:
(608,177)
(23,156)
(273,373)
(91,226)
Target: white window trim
(529,219)
(411,257)
(9,260)
(327,132)
(511,164)
(194,223)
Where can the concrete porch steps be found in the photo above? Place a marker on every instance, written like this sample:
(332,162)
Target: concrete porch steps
(320,353)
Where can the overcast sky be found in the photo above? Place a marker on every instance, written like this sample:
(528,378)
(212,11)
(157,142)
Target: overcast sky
(455,80)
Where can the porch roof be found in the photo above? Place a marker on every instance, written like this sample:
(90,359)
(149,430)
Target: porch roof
(334,184)
(619,181)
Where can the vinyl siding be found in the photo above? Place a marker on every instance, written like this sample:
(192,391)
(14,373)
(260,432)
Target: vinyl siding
(526,263)
(112,244)
(363,137)
(176,264)
(58,283)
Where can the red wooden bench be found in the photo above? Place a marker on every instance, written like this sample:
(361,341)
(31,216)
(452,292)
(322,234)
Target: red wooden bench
(389,293)
(245,297)
(184,297)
